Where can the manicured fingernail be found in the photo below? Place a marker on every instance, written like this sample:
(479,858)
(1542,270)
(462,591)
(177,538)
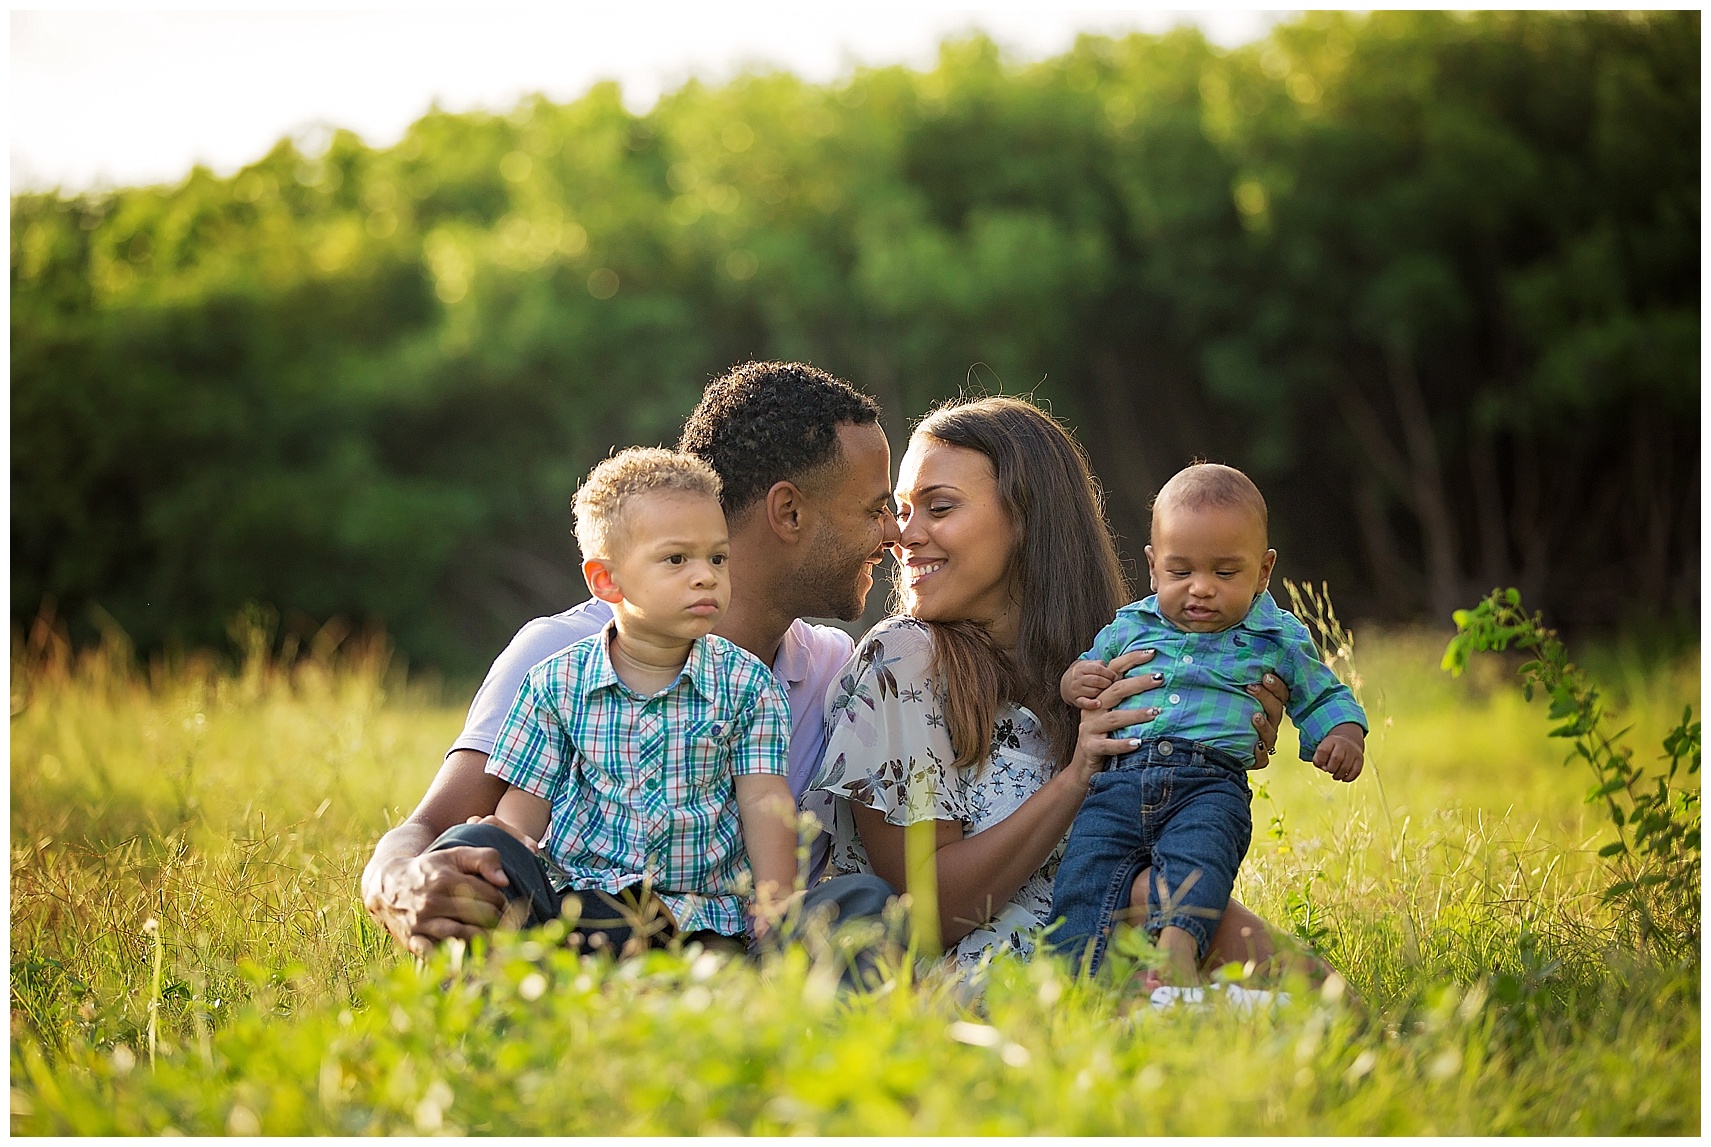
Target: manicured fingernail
(1134,744)
(1149,651)
(1158,676)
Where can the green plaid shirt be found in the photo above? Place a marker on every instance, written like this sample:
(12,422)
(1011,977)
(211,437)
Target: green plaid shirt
(1204,698)
(641,787)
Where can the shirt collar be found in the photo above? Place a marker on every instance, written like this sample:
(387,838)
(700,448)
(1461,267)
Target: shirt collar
(601,674)
(791,665)
(1263,615)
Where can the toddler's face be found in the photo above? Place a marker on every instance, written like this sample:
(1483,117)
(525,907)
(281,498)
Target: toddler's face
(1207,565)
(673,570)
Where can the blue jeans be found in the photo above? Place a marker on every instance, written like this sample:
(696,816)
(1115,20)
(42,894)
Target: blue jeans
(1182,809)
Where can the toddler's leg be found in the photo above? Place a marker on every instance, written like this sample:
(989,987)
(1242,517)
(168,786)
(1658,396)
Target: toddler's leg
(1106,848)
(529,887)
(1194,865)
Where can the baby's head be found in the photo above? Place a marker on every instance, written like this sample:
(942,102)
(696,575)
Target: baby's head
(654,542)
(1208,559)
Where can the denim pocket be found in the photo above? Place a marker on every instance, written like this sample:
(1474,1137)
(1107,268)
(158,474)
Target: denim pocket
(1155,793)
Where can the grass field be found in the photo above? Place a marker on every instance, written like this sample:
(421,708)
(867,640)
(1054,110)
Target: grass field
(188,952)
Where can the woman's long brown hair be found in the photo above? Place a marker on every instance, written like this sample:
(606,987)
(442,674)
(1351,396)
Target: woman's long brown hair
(1065,577)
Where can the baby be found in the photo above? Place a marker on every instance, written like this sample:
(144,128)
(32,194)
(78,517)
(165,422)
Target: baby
(647,759)
(1179,802)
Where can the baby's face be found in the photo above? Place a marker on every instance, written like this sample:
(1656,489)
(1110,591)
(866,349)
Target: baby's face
(1207,565)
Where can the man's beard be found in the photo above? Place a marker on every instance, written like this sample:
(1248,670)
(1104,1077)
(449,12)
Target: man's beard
(829,581)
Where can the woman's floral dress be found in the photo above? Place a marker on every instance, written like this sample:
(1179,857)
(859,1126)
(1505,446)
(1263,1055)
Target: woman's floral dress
(888,746)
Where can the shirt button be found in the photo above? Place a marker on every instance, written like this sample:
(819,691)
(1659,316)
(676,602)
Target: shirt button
(1175,698)
(1187,659)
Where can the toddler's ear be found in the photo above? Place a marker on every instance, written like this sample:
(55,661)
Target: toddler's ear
(601,582)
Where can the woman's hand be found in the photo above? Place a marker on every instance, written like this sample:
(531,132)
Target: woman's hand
(1094,745)
(1273,695)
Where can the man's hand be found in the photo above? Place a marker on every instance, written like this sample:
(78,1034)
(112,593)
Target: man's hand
(1342,752)
(1273,695)
(1084,681)
(424,899)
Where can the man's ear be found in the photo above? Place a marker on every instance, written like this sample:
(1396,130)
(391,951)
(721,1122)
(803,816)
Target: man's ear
(787,511)
(600,581)
(1265,565)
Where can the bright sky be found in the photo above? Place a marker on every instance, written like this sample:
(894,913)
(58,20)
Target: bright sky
(128,97)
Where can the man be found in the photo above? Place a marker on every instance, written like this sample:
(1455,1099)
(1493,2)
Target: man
(807,495)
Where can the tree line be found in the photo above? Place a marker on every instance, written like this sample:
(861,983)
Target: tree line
(1432,279)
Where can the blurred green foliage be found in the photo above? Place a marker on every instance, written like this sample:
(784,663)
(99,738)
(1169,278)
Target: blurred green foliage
(1433,279)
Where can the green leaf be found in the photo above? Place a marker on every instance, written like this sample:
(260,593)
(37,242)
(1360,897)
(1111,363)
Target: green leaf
(1612,848)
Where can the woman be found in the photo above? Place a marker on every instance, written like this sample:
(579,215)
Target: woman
(950,712)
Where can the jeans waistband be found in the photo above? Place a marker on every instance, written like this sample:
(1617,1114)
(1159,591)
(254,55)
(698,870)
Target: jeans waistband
(1175,751)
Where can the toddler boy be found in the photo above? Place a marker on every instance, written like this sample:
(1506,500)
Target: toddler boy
(644,760)
(1179,802)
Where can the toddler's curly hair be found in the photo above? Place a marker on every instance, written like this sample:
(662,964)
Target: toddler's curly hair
(603,501)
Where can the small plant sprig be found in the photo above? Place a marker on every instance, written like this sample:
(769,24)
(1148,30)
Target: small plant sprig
(1656,853)
(1336,643)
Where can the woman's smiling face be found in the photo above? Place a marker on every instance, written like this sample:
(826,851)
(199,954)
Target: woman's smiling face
(957,538)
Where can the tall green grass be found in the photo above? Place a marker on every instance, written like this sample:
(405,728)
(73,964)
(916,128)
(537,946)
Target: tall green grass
(1454,886)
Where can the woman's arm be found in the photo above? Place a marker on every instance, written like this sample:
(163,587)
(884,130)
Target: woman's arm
(977,874)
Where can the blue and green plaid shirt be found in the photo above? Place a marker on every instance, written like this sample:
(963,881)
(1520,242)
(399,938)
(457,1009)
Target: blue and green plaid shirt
(641,787)
(1204,697)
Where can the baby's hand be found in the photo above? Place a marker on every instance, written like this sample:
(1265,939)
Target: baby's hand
(1084,681)
(1342,752)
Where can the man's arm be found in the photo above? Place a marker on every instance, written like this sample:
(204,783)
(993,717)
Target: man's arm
(424,898)
(455,892)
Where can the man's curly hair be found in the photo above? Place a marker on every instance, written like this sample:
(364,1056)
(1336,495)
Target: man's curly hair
(765,422)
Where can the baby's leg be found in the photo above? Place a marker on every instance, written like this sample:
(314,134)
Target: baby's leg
(1194,863)
(1182,964)
(1106,848)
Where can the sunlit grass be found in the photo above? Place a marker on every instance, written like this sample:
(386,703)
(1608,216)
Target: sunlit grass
(236,808)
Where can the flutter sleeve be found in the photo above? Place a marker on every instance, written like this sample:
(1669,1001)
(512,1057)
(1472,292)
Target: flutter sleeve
(1318,702)
(887,744)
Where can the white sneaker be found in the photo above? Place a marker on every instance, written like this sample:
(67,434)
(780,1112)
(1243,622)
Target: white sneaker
(1243,999)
